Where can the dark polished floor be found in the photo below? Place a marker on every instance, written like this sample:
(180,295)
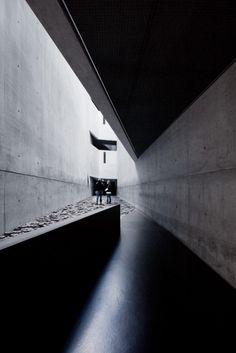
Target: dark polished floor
(155,296)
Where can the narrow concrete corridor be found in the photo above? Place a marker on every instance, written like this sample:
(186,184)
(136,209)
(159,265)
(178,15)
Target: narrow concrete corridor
(143,94)
(155,295)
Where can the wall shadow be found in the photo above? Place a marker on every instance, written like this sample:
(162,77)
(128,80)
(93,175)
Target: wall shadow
(46,280)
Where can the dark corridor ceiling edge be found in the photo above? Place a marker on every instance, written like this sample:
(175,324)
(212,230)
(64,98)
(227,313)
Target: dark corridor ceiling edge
(96,72)
(155,57)
(56,22)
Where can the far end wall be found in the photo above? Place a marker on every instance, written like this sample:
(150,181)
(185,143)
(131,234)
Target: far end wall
(186,180)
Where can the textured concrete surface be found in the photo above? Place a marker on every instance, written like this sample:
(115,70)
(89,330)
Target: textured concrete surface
(46,109)
(27,197)
(2,213)
(63,34)
(45,118)
(186,180)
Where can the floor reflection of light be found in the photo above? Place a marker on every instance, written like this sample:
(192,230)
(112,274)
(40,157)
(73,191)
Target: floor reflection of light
(98,329)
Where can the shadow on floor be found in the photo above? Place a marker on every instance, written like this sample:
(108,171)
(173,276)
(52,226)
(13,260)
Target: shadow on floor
(156,296)
(46,281)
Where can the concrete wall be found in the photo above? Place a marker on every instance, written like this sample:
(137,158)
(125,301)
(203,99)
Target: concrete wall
(186,180)
(104,131)
(98,168)
(45,116)
(52,15)
(108,170)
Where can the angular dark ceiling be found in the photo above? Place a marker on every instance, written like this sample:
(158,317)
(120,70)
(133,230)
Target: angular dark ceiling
(156,57)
